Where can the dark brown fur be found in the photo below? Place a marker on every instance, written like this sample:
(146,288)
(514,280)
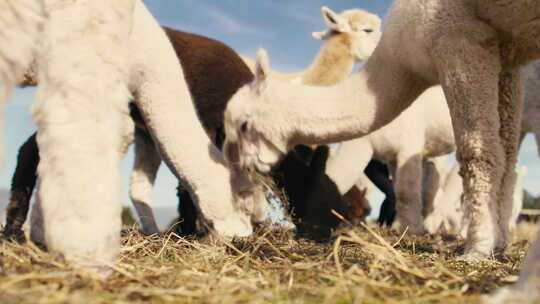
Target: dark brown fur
(22,186)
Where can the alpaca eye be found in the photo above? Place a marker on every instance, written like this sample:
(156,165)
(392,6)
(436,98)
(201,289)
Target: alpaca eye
(243,127)
(368,30)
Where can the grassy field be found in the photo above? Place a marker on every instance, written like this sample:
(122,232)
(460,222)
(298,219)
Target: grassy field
(360,265)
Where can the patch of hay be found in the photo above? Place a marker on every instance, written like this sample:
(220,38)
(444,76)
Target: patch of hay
(361,265)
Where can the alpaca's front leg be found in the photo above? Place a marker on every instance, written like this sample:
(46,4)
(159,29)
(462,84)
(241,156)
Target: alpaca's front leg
(510,111)
(83,76)
(469,76)
(346,166)
(164,99)
(408,183)
(145,168)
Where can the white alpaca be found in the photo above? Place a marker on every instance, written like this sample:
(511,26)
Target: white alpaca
(459,44)
(424,130)
(21,26)
(80,125)
(449,214)
(351,37)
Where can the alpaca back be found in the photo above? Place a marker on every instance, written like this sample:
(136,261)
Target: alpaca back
(213,72)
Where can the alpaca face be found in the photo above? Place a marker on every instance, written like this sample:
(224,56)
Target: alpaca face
(361,30)
(246,148)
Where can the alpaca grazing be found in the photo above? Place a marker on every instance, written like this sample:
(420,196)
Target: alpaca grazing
(304,169)
(205,62)
(474,55)
(127,45)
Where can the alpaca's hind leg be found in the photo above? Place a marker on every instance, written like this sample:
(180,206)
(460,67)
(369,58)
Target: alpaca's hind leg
(469,74)
(145,168)
(408,184)
(22,186)
(510,111)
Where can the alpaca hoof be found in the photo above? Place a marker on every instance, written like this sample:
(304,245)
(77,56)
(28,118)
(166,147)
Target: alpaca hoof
(238,226)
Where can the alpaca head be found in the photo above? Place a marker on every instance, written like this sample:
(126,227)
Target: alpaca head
(357,205)
(360,30)
(245,149)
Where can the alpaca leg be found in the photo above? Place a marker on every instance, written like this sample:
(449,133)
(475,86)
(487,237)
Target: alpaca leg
(408,184)
(379,175)
(164,100)
(190,218)
(37,227)
(432,178)
(79,119)
(475,117)
(22,186)
(345,166)
(145,168)
(510,111)
(431,184)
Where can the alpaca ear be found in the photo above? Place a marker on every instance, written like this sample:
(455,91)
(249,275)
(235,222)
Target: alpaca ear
(262,69)
(334,21)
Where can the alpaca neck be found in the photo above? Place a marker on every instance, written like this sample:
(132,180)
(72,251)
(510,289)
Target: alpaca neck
(333,63)
(355,107)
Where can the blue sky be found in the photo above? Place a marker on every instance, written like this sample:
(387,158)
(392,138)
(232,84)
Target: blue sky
(283,27)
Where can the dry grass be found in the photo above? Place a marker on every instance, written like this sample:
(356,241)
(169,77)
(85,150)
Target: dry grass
(361,265)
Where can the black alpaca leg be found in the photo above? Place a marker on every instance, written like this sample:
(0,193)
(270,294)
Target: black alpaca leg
(378,174)
(22,186)
(187,212)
